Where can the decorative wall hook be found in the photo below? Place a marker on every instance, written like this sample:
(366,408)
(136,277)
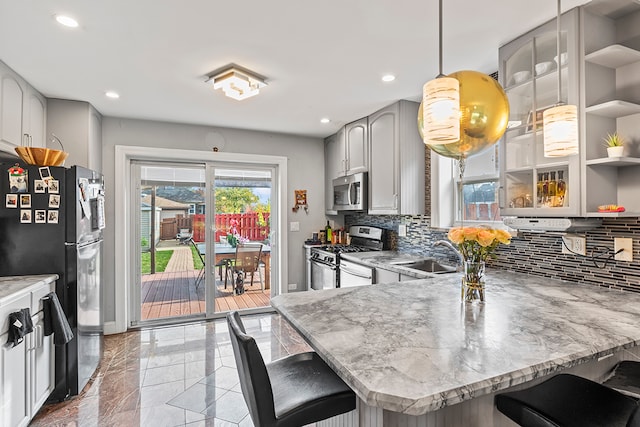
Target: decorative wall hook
(301,201)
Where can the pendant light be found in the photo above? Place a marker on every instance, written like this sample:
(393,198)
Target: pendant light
(560,123)
(441,103)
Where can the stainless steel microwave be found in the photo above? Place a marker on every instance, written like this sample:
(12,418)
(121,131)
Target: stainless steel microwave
(350,192)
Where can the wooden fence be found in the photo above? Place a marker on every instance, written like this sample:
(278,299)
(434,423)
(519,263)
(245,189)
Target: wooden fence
(170,227)
(249,226)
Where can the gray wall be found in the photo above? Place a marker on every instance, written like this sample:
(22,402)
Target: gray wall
(305,170)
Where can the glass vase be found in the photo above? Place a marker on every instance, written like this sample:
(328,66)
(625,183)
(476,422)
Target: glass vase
(473,281)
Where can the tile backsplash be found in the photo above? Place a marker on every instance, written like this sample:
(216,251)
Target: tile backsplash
(533,253)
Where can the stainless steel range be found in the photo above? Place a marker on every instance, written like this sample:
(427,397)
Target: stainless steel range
(325,260)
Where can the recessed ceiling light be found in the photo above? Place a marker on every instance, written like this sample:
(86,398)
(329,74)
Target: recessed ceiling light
(111,94)
(67,21)
(388,78)
(324,120)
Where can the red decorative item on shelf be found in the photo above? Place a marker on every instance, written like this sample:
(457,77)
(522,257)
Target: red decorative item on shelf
(610,208)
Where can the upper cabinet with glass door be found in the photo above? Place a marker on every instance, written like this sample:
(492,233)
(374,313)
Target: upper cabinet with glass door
(531,184)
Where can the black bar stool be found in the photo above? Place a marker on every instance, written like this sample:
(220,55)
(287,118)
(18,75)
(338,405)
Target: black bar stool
(625,378)
(569,401)
(290,392)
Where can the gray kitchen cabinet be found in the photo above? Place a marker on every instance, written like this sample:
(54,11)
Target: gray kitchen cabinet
(356,147)
(397,161)
(22,112)
(349,152)
(386,276)
(529,74)
(601,75)
(332,164)
(26,370)
(79,126)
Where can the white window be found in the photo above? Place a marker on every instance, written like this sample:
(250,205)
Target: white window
(472,200)
(192,209)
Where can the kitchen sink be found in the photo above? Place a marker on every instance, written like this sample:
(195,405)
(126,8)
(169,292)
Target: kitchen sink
(426,265)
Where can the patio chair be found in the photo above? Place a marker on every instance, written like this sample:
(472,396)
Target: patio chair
(201,272)
(184,236)
(247,261)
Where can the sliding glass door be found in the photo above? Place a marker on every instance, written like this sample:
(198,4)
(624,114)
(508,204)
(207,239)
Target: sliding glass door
(192,220)
(242,231)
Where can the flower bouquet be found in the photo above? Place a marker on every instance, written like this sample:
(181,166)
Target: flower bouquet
(476,244)
(233,236)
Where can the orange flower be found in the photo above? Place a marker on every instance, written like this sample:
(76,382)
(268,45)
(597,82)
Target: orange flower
(470,233)
(503,237)
(485,237)
(456,235)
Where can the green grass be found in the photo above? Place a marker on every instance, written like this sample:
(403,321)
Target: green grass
(162,258)
(197,264)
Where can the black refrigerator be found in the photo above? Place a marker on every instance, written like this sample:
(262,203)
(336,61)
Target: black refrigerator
(51,221)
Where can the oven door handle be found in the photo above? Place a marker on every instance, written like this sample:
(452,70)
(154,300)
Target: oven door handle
(356,273)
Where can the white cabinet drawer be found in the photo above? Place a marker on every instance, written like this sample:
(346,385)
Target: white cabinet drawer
(38,294)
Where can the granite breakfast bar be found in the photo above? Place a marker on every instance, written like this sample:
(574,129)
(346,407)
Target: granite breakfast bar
(416,356)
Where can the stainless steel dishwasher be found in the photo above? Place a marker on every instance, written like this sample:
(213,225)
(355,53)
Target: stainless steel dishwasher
(354,274)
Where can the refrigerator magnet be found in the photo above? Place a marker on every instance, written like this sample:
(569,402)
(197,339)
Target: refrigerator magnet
(18,179)
(39,186)
(41,216)
(54,201)
(25,200)
(11,201)
(45,173)
(25,216)
(54,186)
(52,217)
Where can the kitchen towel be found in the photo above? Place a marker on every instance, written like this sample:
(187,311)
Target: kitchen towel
(55,321)
(20,324)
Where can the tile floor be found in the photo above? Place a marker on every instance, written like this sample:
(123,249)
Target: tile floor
(172,376)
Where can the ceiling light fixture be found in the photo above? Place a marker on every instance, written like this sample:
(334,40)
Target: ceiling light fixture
(324,120)
(560,123)
(237,83)
(67,21)
(388,78)
(111,94)
(441,102)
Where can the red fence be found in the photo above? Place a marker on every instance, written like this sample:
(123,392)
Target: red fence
(248,226)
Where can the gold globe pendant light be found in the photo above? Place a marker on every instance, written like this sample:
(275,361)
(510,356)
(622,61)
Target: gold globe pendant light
(560,123)
(483,117)
(463,113)
(441,103)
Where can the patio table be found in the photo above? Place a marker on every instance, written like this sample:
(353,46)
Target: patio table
(223,251)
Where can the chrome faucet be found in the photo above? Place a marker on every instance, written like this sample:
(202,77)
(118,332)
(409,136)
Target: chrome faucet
(453,248)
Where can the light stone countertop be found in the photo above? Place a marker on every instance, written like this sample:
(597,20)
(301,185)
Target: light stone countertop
(11,286)
(384,259)
(412,347)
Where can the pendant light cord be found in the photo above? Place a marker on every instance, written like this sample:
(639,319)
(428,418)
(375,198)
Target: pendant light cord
(440,39)
(559,62)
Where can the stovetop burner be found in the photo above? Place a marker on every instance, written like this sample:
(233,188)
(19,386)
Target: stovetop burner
(336,249)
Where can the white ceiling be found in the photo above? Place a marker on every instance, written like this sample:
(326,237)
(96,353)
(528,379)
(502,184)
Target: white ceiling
(321,59)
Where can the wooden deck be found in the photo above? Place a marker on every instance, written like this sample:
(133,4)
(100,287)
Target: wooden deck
(174,293)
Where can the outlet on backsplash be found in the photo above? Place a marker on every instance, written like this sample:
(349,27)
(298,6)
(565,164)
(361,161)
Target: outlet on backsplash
(572,244)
